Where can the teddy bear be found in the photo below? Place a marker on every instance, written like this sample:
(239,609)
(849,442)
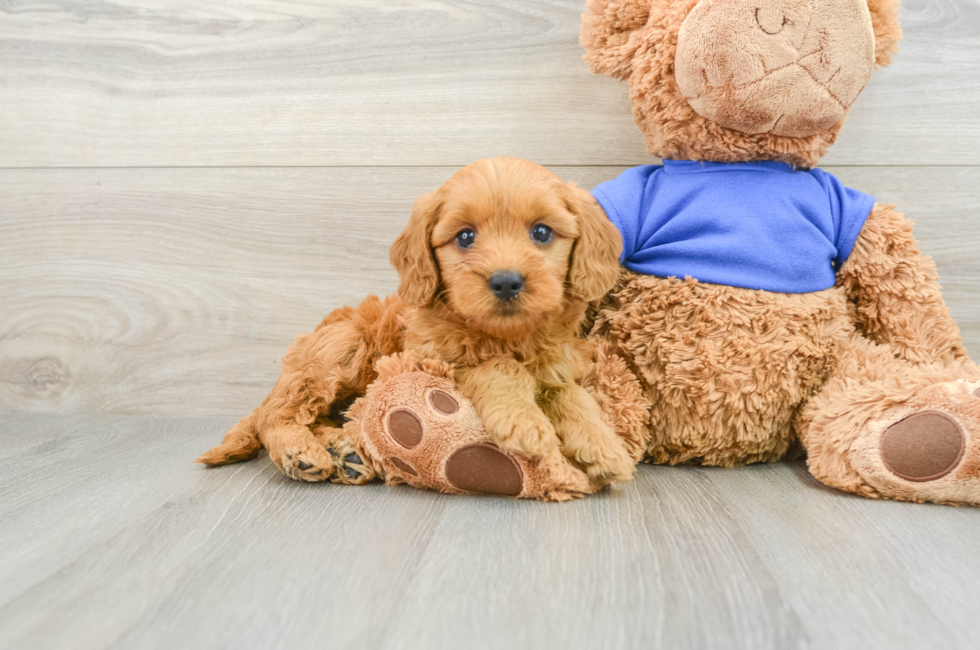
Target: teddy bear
(764,311)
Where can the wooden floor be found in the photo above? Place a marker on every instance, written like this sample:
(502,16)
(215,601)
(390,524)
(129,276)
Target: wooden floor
(185,186)
(111,538)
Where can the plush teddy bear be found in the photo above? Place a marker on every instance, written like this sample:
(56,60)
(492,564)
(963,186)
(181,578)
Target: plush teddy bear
(413,426)
(764,308)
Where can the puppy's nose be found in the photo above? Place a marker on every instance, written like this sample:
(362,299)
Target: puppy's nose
(506,284)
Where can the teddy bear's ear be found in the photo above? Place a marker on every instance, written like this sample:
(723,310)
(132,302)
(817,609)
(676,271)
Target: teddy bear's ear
(884,18)
(412,255)
(607,30)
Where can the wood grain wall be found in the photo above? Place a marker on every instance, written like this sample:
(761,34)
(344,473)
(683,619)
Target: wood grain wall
(186,186)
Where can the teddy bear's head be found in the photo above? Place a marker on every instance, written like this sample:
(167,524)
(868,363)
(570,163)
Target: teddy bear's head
(738,80)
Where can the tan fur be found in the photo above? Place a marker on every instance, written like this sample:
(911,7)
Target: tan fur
(636,41)
(321,371)
(512,359)
(724,368)
(735,376)
(888,33)
(871,390)
(784,67)
(685,371)
(896,292)
(404,382)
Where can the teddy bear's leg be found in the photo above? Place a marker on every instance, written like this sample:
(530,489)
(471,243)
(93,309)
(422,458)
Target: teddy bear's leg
(415,427)
(884,427)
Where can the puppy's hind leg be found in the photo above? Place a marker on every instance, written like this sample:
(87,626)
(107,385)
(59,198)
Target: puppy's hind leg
(322,371)
(240,443)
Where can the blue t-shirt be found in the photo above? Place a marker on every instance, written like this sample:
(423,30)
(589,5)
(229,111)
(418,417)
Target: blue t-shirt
(757,225)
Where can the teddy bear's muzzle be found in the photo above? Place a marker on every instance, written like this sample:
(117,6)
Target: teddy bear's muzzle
(784,67)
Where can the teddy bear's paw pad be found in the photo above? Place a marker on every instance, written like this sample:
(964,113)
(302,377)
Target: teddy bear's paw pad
(418,429)
(442,402)
(484,468)
(413,422)
(923,447)
(403,466)
(405,427)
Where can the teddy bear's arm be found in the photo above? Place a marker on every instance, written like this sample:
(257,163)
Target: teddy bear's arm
(896,291)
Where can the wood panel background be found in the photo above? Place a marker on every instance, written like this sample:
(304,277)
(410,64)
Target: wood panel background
(186,186)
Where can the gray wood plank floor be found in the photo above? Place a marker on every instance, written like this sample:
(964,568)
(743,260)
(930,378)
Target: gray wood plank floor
(112,538)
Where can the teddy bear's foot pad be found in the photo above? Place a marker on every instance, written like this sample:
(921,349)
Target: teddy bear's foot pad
(923,447)
(484,468)
(926,449)
(479,467)
(421,431)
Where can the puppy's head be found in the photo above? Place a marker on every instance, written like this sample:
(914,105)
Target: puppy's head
(508,246)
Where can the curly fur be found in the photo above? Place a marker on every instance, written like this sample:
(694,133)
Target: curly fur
(689,372)
(517,360)
(734,376)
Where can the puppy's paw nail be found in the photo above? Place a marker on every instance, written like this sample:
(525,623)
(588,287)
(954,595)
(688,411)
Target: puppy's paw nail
(304,466)
(353,458)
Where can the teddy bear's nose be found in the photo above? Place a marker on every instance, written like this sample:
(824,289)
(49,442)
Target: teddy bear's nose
(789,68)
(771,21)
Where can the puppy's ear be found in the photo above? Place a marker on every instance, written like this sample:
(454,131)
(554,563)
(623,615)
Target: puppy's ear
(412,254)
(607,35)
(595,258)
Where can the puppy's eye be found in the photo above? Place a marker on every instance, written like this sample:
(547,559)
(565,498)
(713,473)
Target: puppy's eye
(465,238)
(542,234)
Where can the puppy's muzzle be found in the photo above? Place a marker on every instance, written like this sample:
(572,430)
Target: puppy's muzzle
(506,285)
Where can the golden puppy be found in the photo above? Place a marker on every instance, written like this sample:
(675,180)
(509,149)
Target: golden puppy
(497,268)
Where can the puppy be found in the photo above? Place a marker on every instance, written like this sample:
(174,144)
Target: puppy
(497,269)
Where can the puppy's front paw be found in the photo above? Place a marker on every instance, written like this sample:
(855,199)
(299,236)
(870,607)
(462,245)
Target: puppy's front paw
(529,433)
(598,449)
(608,462)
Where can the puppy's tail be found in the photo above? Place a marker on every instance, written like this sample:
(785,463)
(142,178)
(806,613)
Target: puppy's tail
(240,443)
